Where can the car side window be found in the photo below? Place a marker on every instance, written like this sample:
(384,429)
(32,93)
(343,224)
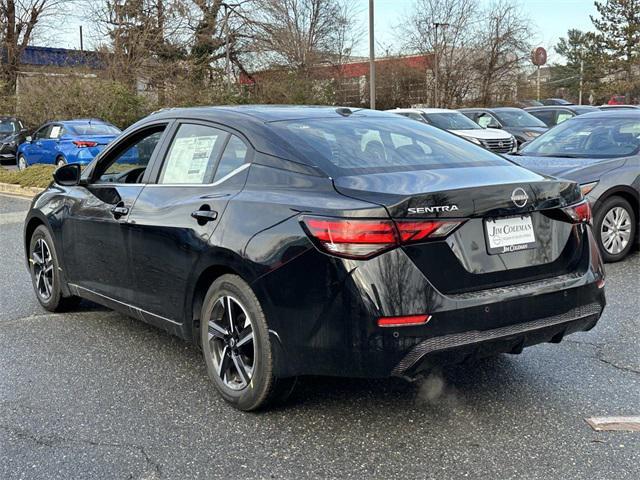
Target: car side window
(130,162)
(42,133)
(562,116)
(485,120)
(547,116)
(55,132)
(233,157)
(193,154)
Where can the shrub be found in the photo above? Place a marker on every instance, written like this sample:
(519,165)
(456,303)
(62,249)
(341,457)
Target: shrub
(34,176)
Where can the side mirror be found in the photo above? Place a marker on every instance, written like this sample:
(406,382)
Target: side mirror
(493,125)
(68,175)
(28,139)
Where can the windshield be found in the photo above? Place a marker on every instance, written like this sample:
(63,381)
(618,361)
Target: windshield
(588,138)
(518,118)
(8,127)
(93,128)
(452,121)
(360,145)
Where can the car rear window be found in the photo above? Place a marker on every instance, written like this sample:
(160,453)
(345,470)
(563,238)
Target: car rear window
(360,145)
(91,128)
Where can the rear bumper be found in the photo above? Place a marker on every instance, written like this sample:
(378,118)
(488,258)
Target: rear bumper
(510,339)
(327,324)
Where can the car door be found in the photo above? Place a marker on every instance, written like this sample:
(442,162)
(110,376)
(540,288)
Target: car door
(173,220)
(33,151)
(49,143)
(95,231)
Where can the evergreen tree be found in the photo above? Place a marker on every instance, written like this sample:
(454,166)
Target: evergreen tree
(619,27)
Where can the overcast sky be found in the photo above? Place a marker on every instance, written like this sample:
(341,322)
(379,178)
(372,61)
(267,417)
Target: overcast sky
(550,20)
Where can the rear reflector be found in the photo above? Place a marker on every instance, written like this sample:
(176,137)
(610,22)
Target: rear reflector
(406,321)
(580,212)
(84,143)
(356,238)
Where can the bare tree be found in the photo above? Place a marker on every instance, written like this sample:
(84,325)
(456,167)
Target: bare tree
(302,33)
(451,46)
(503,45)
(19,20)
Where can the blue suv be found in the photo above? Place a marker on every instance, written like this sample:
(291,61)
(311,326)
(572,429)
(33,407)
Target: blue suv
(71,141)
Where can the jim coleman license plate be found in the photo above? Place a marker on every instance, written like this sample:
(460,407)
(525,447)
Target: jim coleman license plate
(509,234)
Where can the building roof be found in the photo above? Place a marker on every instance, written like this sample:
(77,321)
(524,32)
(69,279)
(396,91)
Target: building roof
(61,57)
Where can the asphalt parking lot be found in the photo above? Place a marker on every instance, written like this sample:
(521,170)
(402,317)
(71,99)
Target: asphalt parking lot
(94,394)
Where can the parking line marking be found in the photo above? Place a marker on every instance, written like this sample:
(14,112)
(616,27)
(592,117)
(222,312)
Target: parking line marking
(619,424)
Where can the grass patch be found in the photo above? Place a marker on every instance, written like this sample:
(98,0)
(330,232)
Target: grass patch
(35,176)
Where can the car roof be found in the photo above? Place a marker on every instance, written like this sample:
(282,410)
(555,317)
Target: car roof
(564,107)
(622,113)
(263,113)
(422,110)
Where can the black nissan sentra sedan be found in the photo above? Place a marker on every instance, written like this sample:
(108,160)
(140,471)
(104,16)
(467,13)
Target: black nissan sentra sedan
(291,241)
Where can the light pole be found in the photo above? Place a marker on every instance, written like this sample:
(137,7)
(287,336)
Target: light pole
(372,60)
(436,99)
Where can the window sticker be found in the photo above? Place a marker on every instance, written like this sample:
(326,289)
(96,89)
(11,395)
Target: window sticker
(189,159)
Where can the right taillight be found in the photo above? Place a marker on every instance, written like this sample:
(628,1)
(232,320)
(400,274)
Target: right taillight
(364,238)
(579,213)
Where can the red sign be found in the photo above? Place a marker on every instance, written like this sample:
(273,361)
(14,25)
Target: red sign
(539,56)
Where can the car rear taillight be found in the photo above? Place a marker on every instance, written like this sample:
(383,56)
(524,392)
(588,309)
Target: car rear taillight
(84,143)
(579,213)
(357,238)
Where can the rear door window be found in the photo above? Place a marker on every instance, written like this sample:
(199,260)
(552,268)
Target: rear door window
(193,155)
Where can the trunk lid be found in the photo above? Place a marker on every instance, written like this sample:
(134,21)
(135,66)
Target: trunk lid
(462,262)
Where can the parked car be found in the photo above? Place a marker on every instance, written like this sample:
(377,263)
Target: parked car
(69,141)
(528,103)
(455,122)
(556,101)
(554,115)
(12,134)
(601,152)
(317,241)
(617,100)
(522,125)
(619,107)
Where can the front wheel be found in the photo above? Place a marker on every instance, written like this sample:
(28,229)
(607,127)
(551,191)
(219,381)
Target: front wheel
(60,161)
(236,346)
(22,162)
(615,228)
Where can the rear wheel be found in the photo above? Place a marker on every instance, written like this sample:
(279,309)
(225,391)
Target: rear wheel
(60,161)
(236,346)
(615,228)
(45,274)
(22,162)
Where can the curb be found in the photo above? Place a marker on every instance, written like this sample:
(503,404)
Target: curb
(12,189)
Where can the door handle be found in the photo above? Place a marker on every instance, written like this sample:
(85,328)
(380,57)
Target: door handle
(204,216)
(119,211)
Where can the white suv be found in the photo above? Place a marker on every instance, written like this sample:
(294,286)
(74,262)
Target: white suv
(493,139)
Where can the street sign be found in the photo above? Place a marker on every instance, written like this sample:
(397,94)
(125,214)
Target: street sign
(539,56)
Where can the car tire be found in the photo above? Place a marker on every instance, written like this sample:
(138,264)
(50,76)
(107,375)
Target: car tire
(45,272)
(60,161)
(241,369)
(614,225)
(22,162)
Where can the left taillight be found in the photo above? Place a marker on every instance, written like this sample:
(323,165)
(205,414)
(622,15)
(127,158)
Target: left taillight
(359,239)
(579,212)
(84,143)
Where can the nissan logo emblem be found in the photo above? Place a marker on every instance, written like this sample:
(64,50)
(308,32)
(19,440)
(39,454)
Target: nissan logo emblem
(519,197)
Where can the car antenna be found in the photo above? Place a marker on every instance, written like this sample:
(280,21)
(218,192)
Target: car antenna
(344,111)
